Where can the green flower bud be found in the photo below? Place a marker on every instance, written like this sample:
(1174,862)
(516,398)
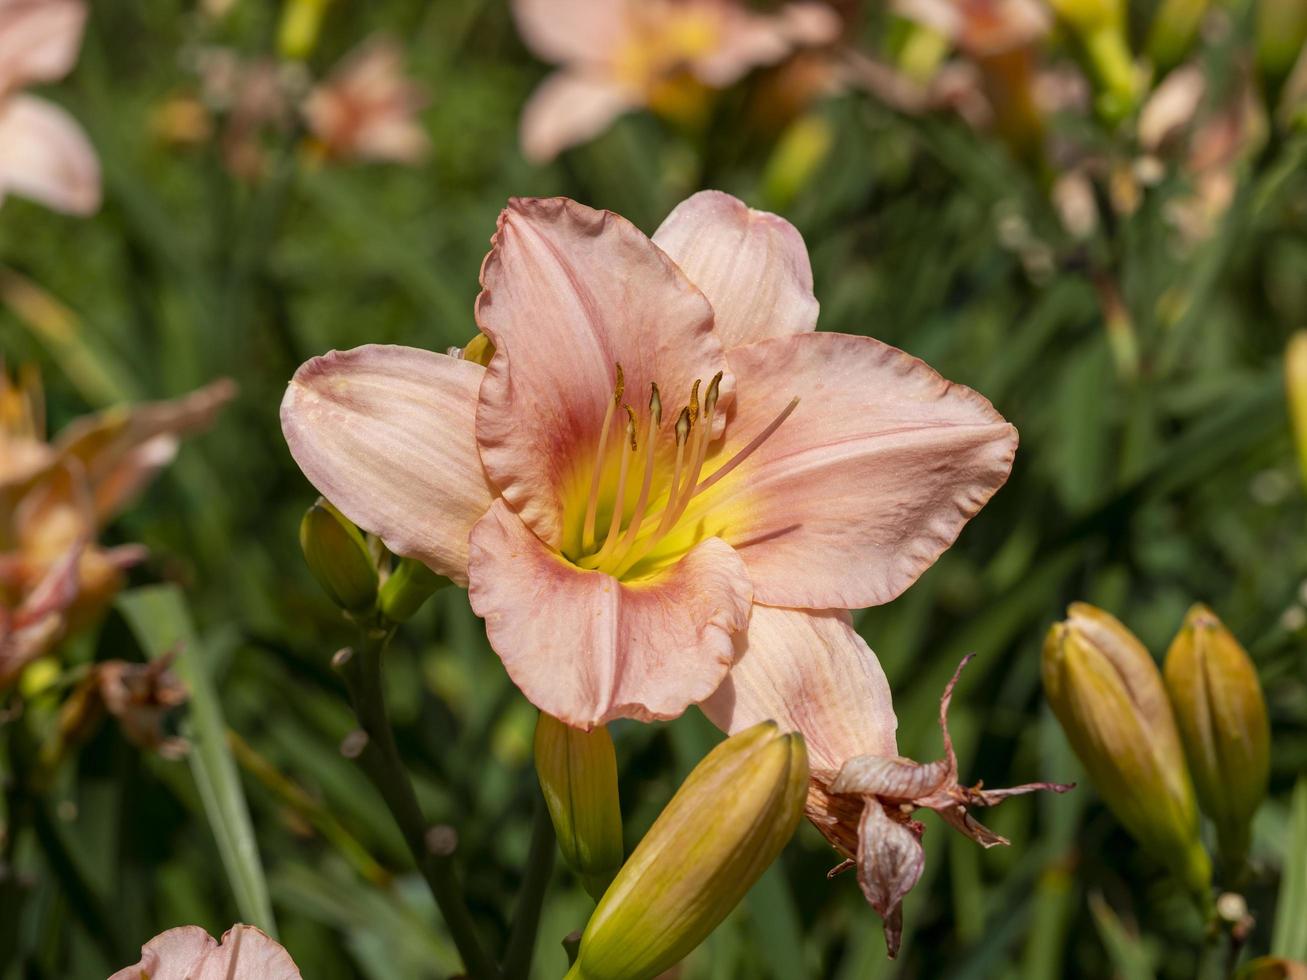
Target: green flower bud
(578,775)
(1108,696)
(1295,387)
(338,557)
(301,23)
(1222,718)
(407,588)
(725,825)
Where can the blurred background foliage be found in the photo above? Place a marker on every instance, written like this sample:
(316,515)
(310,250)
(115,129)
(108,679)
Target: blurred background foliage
(1156,469)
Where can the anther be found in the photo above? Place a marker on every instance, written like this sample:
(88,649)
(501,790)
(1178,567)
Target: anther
(655,405)
(694,401)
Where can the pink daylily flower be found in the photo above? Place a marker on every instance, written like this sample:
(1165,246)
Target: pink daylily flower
(44,154)
(367,109)
(190,953)
(660,447)
(619,55)
(820,678)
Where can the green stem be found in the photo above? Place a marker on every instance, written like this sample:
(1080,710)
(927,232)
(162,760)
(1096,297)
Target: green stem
(382,764)
(539,868)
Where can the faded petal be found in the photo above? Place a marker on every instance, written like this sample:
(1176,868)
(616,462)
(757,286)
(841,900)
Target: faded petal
(189,953)
(871,478)
(752,266)
(39,40)
(569,108)
(45,156)
(587,648)
(569,293)
(571,30)
(891,777)
(890,863)
(810,672)
(387,435)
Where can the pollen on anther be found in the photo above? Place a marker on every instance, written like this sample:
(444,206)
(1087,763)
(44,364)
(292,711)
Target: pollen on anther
(621,384)
(683,426)
(630,424)
(655,404)
(694,401)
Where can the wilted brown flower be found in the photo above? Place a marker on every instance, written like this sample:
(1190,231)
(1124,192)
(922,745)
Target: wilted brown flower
(136,695)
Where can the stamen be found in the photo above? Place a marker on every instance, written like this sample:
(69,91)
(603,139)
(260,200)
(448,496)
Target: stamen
(748,450)
(704,436)
(633,556)
(615,522)
(694,401)
(592,505)
(642,502)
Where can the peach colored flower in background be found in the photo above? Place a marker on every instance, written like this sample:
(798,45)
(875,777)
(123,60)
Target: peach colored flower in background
(55,498)
(367,109)
(619,55)
(44,154)
(138,696)
(190,953)
(659,446)
(250,97)
(821,679)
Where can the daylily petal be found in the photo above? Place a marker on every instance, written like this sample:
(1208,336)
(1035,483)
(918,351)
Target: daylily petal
(189,953)
(569,293)
(571,30)
(586,648)
(39,40)
(891,777)
(871,478)
(45,156)
(750,40)
(386,434)
(569,108)
(752,266)
(890,862)
(809,672)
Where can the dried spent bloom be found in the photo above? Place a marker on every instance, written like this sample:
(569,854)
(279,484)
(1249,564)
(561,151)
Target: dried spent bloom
(136,695)
(828,685)
(1108,695)
(57,495)
(578,776)
(619,55)
(659,442)
(44,154)
(1222,719)
(726,824)
(367,109)
(190,953)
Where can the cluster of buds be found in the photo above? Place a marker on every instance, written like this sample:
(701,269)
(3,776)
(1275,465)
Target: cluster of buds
(1134,731)
(356,571)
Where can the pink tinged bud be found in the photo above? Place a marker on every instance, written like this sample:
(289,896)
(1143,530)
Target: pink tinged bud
(1107,693)
(723,828)
(338,557)
(1222,720)
(578,776)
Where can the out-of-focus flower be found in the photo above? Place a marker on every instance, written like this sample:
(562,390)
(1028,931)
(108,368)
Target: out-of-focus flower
(136,695)
(619,55)
(44,154)
(1222,719)
(820,678)
(1272,968)
(578,776)
(726,824)
(614,550)
(190,953)
(367,109)
(251,97)
(1175,25)
(301,23)
(1100,26)
(1108,695)
(1171,108)
(55,496)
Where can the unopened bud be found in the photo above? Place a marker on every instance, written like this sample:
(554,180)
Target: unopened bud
(1222,719)
(1108,695)
(1175,25)
(338,557)
(725,825)
(1295,388)
(578,775)
(407,588)
(301,23)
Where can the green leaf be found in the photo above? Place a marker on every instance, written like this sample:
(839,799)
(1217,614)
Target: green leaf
(159,618)
(1132,959)
(1289,938)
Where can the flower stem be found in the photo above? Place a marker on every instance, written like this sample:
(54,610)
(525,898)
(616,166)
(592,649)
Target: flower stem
(381,763)
(539,868)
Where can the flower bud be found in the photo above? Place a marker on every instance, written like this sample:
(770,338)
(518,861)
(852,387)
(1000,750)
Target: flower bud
(578,775)
(1222,718)
(1295,386)
(725,825)
(301,23)
(1108,696)
(338,557)
(407,588)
